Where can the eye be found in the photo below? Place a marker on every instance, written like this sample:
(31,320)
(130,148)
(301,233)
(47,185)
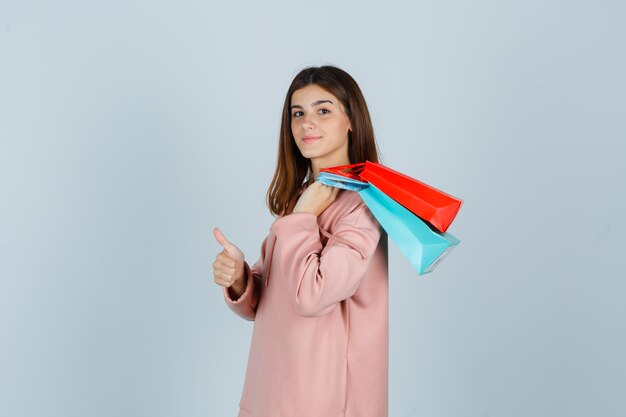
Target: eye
(325,111)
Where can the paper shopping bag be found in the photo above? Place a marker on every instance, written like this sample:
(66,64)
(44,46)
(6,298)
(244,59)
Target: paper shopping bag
(429,203)
(423,247)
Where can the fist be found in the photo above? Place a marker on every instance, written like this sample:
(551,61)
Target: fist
(316,198)
(228,268)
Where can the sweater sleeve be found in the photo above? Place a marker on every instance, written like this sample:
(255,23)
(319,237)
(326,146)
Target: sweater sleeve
(317,277)
(245,305)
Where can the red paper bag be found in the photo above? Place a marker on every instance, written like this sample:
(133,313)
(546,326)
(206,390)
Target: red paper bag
(428,203)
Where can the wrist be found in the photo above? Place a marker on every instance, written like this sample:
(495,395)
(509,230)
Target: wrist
(238,288)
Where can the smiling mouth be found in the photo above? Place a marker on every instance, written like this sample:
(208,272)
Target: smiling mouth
(311,140)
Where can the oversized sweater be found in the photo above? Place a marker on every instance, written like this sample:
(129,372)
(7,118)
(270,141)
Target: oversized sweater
(318,296)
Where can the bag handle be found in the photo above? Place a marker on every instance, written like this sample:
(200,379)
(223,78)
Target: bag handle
(354,170)
(340,181)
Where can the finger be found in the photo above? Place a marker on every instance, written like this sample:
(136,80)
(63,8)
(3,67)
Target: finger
(219,236)
(230,248)
(226,258)
(226,267)
(221,281)
(224,277)
(325,188)
(217,278)
(332,191)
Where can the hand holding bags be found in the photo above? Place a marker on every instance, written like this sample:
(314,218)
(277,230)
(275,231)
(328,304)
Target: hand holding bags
(424,247)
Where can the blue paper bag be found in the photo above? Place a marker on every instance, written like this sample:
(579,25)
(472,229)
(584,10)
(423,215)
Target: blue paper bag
(424,247)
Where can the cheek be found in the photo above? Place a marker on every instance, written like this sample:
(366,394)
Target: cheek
(339,129)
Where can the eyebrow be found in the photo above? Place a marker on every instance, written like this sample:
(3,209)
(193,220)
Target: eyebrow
(315,103)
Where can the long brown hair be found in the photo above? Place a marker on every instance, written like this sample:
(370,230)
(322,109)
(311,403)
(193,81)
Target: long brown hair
(291,167)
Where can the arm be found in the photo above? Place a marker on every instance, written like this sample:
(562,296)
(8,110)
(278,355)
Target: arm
(245,305)
(318,278)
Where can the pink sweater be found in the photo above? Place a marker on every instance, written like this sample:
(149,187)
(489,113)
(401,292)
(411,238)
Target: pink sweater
(318,296)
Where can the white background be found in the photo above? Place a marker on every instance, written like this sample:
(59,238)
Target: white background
(129,129)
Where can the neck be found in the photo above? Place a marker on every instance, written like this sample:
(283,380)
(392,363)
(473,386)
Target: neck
(316,165)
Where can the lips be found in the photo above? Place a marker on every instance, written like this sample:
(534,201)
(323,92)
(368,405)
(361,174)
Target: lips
(310,139)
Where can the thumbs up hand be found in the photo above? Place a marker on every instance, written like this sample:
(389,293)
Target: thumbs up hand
(228,268)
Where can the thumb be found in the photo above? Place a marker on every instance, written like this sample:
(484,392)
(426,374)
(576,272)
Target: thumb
(230,248)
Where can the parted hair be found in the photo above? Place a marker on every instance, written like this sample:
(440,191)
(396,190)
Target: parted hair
(292,169)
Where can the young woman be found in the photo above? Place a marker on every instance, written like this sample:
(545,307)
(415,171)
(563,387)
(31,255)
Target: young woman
(318,294)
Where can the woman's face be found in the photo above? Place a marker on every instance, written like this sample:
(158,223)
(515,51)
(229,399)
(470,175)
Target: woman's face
(320,126)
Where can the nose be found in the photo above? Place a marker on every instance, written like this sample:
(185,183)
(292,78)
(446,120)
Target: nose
(307,123)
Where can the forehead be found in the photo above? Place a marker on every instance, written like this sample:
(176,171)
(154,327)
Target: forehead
(311,93)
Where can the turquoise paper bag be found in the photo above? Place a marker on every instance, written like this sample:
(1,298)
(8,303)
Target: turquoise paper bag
(424,247)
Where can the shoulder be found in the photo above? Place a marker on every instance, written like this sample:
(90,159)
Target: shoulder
(348,201)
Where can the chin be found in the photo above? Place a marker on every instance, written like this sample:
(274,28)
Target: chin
(311,155)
